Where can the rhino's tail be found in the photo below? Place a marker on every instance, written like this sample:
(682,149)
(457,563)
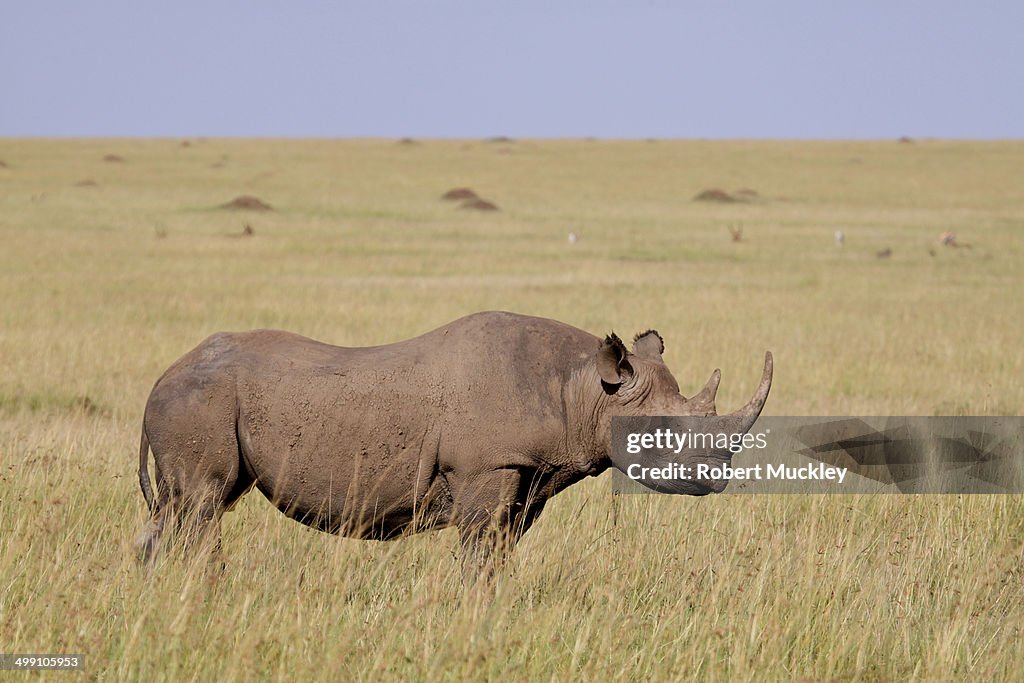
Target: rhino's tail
(144,483)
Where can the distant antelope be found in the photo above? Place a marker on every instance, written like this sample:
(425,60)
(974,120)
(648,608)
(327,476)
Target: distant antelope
(840,238)
(737,232)
(948,239)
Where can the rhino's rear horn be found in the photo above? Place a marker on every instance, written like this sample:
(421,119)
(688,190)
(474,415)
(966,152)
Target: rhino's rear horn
(704,402)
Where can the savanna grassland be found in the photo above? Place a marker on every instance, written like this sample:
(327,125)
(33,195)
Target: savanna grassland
(111,269)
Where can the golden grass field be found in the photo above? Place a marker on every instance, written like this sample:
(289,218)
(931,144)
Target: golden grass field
(103,286)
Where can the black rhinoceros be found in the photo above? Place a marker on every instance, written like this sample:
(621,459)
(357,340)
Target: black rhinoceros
(475,424)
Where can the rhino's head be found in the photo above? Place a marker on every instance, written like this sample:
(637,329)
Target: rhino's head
(638,383)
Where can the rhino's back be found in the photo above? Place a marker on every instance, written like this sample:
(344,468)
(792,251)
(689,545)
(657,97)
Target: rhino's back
(478,349)
(487,351)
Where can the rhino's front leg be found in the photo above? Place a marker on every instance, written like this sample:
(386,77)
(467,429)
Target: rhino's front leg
(490,521)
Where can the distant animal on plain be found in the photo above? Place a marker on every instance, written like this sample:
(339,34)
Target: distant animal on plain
(948,239)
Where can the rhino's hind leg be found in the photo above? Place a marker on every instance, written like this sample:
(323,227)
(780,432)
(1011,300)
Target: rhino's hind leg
(189,520)
(149,540)
(196,486)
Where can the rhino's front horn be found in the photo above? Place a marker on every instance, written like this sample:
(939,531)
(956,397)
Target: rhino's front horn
(748,414)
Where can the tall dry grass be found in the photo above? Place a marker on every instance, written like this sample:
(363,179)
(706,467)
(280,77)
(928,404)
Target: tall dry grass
(104,285)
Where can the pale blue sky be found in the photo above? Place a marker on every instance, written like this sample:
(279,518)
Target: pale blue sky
(524,69)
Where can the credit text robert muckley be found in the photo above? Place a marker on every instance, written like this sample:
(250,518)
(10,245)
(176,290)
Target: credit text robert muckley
(759,472)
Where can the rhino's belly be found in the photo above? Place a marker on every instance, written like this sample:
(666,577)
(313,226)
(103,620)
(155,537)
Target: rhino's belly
(354,519)
(361,513)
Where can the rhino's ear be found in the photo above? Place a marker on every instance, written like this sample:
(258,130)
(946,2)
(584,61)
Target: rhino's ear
(649,344)
(612,365)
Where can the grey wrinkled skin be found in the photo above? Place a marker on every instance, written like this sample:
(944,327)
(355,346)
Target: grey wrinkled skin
(475,424)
